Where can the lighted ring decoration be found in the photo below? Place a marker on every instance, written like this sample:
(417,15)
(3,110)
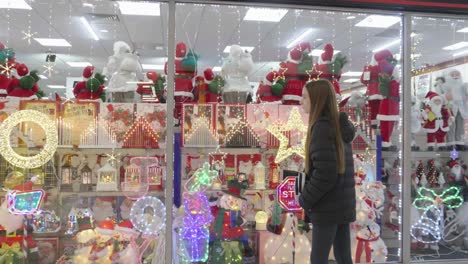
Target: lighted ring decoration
(146,223)
(47,151)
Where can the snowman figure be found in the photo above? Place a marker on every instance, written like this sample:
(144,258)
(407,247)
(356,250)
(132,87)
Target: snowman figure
(369,247)
(227,229)
(236,67)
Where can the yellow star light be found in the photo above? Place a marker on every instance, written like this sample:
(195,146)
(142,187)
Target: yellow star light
(112,157)
(28,35)
(7,68)
(295,122)
(314,71)
(282,72)
(49,68)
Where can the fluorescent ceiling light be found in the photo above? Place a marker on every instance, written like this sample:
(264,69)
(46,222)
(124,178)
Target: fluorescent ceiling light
(139,8)
(53,42)
(104,30)
(78,63)
(228,48)
(152,66)
(456,46)
(351,74)
(88,5)
(460,53)
(216,69)
(43,77)
(318,52)
(265,14)
(301,37)
(463,30)
(396,41)
(378,21)
(14,4)
(89,28)
(350,17)
(53,86)
(351,80)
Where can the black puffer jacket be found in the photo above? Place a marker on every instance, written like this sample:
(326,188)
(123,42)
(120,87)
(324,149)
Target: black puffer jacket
(329,198)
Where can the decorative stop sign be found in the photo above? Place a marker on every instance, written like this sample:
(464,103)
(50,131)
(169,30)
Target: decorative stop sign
(286,196)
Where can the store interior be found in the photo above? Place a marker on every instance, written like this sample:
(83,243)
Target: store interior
(103,182)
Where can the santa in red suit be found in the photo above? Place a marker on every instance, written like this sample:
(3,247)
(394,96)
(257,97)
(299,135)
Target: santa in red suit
(437,118)
(92,86)
(370,78)
(389,89)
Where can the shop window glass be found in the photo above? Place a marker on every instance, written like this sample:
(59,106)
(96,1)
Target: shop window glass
(239,74)
(95,69)
(439,92)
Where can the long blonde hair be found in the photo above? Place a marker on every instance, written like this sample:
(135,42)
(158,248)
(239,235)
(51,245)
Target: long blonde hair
(323,102)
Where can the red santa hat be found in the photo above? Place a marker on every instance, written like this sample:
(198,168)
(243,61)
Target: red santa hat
(209,74)
(106,227)
(181,50)
(453,163)
(383,55)
(127,228)
(327,54)
(88,71)
(432,96)
(22,69)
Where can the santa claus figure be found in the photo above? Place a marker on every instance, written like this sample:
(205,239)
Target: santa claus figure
(154,91)
(208,87)
(103,247)
(455,175)
(287,82)
(124,70)
(235,70)
(26,86)
(103,208)
(436,117)
(329,68)
(370,78)
(456,94)
(227,229)
(92,87)
(185,70)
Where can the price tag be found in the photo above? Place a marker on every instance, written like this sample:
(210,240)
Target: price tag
(366,76)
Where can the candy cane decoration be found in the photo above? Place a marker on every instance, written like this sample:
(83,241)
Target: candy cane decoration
(293,228)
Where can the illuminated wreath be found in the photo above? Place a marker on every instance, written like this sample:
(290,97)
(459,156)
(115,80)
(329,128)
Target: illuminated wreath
(47,151)
(147,223)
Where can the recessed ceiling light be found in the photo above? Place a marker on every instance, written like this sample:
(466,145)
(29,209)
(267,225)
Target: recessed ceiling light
(460,53)
(14,4)
(139,8)
(463,30)
(389,44)
(228,48)
(53,86)
(318,52)
(152,66)
(378,21)
(78,63)
(43,77)
(265,14)
(216,69)
(53,42)
(300,38)
(351,74)
(351,80)
(350,17)
(89,28)
(456,46)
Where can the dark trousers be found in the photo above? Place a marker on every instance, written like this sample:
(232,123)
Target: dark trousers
(324,236)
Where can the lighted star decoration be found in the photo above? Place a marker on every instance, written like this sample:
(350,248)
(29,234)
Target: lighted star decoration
(201,179)
(28,35)
(314,71)
(454,154)
(277,129)
(218,152)
(281,73)
(49,68)
(7,68)
(112,157)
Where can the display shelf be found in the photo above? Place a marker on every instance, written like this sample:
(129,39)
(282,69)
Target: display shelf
(102,193)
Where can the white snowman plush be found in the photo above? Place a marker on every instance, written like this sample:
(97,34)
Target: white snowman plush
(235,70)
(369,247)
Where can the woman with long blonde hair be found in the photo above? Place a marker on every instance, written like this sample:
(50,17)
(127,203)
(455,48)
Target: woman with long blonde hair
(328,195)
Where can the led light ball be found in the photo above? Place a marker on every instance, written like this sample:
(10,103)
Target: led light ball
(47,151)
(148,215)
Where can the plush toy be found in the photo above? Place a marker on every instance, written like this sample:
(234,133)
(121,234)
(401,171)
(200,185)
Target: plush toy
(389,89)
(227,230)
(329,68)
(235,70)
(288,81)
(26,86)
(153,92)
(208,87)
(455,91)
(92,87)
(124,70)
(185,70)
(437,120)
(370,247)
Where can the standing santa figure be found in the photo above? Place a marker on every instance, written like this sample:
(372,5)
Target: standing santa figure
(456,93)
(370,78)
(437,118)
